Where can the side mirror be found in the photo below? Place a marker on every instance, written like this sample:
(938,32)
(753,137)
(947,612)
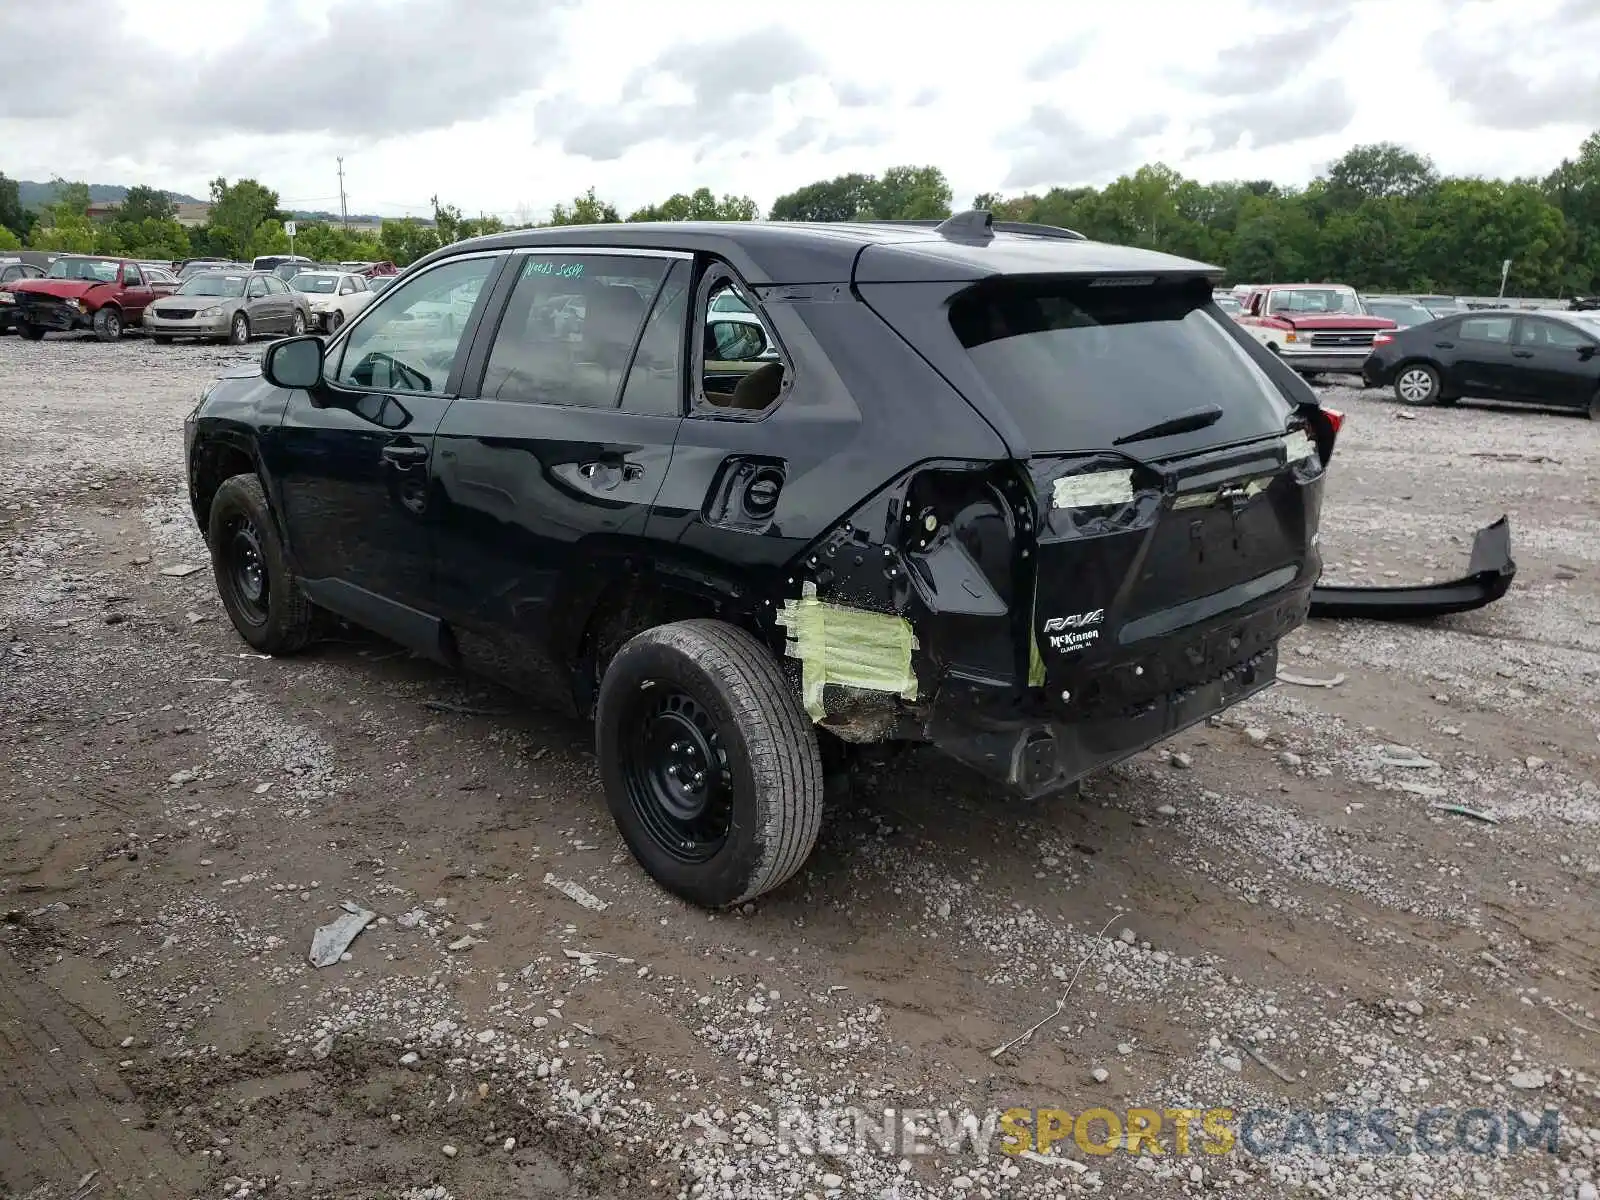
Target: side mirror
(294,363)
(1587,352)
(738,341)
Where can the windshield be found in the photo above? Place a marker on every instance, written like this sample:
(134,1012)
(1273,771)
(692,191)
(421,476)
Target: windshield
(314,283)
(101,270)
(1079,366)
(1315,300)
(212,285)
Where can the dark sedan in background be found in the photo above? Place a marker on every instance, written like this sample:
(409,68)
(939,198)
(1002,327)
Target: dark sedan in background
(1549,358)
(1402,310)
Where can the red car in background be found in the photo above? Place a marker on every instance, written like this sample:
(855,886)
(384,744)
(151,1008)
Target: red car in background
(86,291)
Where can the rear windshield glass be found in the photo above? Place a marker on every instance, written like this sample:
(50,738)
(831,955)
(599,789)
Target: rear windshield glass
(1079,366)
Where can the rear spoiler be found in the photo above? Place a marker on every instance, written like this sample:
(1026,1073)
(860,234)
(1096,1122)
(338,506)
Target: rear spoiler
(1490,571)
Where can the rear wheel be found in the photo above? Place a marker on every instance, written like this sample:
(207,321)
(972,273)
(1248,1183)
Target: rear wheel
(263,600)
(710,765)
(298,325)
(239,331)
(1417,384)
(1594,407)
(30,331)
(108,324)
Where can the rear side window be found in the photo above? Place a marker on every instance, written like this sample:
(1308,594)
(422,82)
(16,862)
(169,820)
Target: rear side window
(569,328)
(1485,329)
(1079,366)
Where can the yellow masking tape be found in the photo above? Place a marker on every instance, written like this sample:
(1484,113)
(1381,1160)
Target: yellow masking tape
(847,646)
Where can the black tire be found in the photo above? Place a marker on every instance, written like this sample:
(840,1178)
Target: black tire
(297,323)
(29,331)
(1594,407)
(738,714)
(239,330)
(275,617)
(108,324)
(1417,384)
(161,339)
(332,322)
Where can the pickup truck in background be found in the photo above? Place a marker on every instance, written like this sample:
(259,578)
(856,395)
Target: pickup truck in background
(83,291)
(1313,327)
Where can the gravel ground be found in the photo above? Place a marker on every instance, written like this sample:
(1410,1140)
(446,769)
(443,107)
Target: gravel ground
(1270,911)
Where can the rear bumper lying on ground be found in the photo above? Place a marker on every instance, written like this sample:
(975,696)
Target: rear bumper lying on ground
(1489,574)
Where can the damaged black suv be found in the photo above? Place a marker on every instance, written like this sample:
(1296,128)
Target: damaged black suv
(741,489)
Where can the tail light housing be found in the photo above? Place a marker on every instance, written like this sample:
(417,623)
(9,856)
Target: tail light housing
(1382,339)
(1322,425)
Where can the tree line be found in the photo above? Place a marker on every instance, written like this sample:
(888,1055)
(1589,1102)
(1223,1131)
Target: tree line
(1381,218)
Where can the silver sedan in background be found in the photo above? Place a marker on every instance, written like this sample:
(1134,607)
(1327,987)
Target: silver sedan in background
(233,306)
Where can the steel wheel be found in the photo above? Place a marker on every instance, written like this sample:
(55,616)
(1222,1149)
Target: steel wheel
(676,773)
(1416,385)
(245,570)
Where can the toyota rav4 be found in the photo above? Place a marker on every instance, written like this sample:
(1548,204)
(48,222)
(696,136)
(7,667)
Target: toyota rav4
(1028,498)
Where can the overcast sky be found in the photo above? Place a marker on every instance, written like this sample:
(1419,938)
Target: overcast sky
(510,105)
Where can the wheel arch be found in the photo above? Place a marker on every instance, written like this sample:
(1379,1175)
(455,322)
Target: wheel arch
(215,460)
(626,605)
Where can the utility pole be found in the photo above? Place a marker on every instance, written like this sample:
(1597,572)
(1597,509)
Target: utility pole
(344,215)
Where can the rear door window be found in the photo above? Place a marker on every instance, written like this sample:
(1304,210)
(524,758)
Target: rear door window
(1081,363)
(1485,329)
(569,328)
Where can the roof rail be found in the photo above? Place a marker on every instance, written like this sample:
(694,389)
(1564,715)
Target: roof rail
(979,225)
(1049,231)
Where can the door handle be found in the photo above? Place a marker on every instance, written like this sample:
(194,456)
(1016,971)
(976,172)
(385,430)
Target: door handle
(1445,345)
(611,471)
(1522,353)
(403,452)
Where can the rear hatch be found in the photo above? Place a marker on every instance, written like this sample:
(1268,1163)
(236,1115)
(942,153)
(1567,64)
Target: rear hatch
(1174,486)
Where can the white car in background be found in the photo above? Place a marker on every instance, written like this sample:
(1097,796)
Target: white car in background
(335,296)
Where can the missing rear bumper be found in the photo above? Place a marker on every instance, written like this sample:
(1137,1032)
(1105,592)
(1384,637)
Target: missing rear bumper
(1490,571)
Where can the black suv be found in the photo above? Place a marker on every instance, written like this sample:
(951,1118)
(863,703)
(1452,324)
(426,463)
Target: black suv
(1029,498)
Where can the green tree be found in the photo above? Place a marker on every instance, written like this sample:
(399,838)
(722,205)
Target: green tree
(146,203)
(1375,171)
(1472,225)
(238,211)
(8,239)
(699,205)
(910,194)
(70,233)
(1574,188)
(404,241)
(71,199)
(845,198)
(586,209)
(12,215)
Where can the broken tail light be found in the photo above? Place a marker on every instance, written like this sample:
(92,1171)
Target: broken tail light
(1324,425)
(1382,339)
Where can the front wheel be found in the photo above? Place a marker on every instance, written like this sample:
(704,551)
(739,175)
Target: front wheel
(710,765)
(1417,384)
(108,325)
(332,322)
(298,325)
(263,600)
(239,331)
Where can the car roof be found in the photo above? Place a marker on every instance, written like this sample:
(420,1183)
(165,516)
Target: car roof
(796,252)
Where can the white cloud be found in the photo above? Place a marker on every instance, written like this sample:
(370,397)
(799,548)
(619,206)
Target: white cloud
(511,105)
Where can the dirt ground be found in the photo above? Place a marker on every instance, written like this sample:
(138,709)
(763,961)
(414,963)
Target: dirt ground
(1289,918)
